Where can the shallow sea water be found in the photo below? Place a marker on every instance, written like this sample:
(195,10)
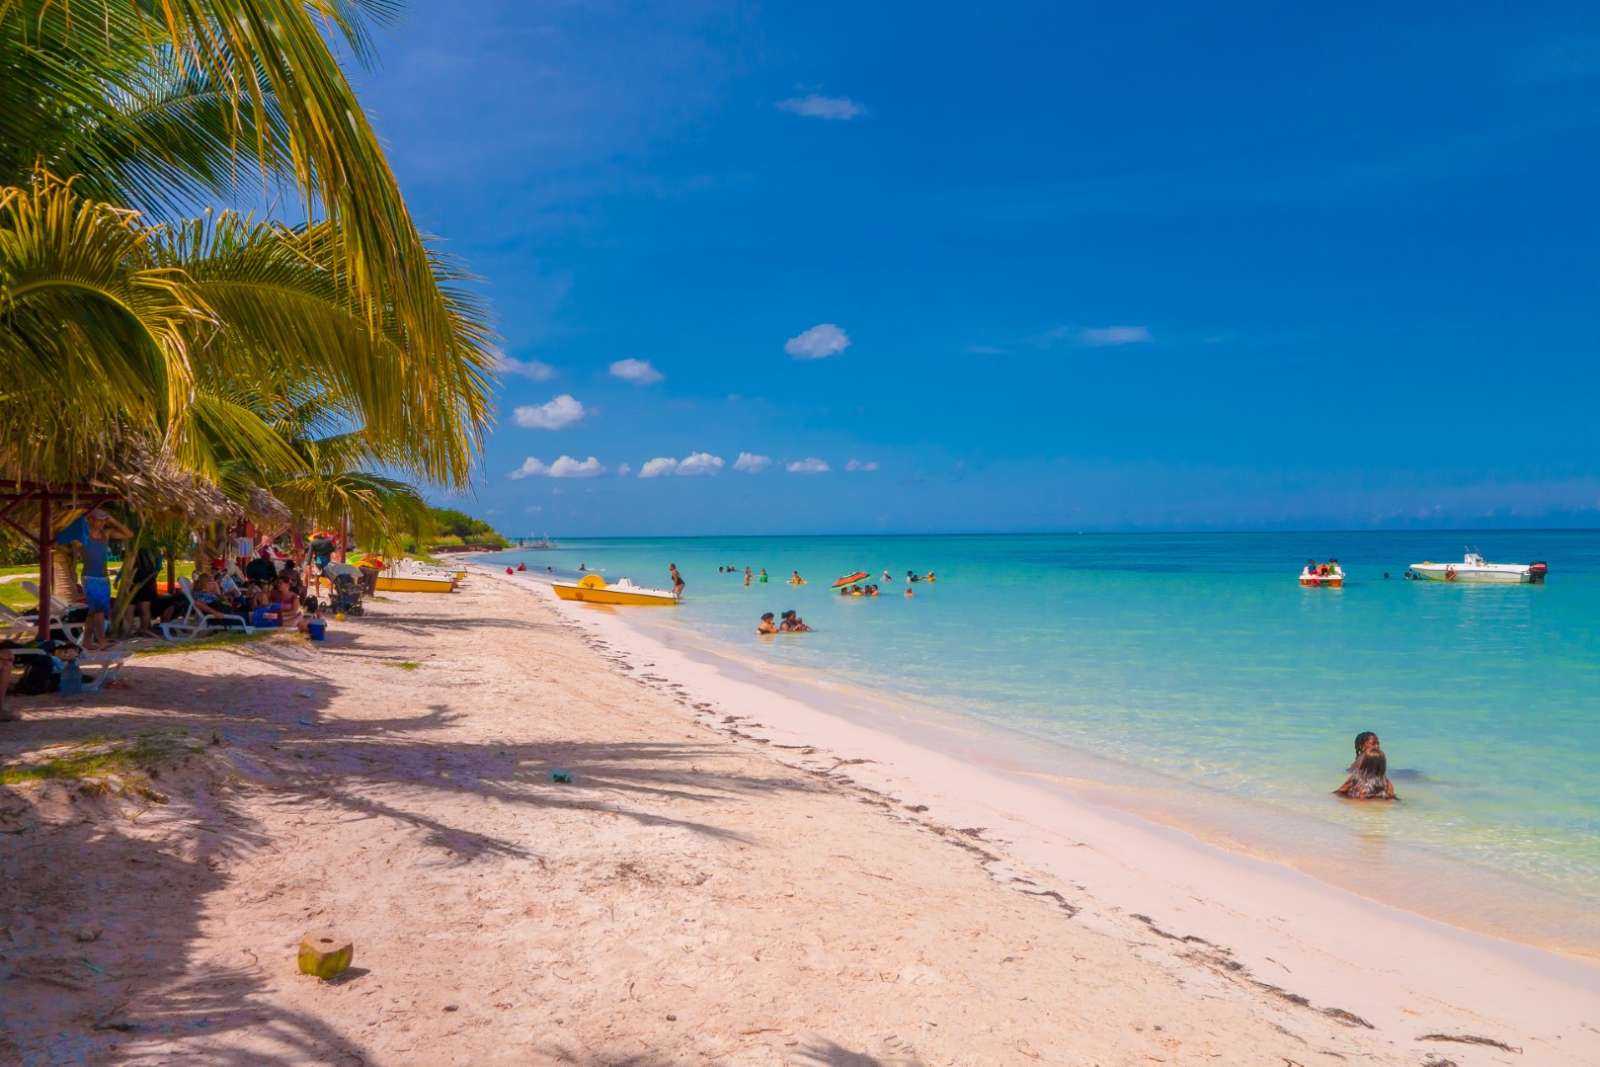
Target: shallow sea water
(1196,663)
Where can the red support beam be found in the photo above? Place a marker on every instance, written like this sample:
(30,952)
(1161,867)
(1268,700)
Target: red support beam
(46,566)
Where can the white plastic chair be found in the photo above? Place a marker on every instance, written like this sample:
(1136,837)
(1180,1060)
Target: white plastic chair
(58,614)
(104,665)
(14,626)
(196,623)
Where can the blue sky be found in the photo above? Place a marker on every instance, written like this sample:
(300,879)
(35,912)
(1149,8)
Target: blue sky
(1063,266)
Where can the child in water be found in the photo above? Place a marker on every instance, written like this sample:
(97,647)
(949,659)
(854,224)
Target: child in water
(1369,774)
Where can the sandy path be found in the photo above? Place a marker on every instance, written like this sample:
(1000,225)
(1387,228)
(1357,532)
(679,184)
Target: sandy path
(689,899)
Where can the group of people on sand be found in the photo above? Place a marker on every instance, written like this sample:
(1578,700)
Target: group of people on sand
(787,623)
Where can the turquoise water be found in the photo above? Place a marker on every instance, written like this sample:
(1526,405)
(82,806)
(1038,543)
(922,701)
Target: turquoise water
(1197,658)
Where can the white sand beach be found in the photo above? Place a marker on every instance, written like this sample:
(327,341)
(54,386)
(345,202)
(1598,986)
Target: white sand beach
(731,877)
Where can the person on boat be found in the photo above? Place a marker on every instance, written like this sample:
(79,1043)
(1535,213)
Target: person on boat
(677,580)
(1368,776)
(1311,569)
(1334,568)
(766,626)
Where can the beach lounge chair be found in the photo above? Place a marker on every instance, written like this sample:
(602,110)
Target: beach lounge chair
(196,623)
(14,626)
(98,667)
(60,614)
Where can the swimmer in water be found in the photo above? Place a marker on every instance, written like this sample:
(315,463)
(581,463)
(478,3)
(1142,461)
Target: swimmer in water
(747,577)
(1369,775)
(767,626)
(763,575)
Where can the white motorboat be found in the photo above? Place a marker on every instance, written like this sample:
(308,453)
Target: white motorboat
(1474,568)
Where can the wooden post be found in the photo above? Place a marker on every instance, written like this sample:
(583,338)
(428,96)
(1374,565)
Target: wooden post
(46,565)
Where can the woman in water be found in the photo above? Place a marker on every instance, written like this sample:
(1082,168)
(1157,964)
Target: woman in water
(766,626)
(1369,774)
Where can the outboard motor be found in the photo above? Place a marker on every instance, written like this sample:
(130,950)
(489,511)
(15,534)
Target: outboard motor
(1537,570)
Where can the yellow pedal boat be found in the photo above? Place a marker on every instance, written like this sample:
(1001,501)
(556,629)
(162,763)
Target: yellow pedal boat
(592,589)
(404,583)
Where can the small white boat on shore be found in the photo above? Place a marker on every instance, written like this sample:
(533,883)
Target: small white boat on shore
(1475,569)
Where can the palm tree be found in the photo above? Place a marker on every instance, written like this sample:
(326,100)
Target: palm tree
(116,321)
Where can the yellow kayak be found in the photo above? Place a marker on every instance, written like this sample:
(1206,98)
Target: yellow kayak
(594,590)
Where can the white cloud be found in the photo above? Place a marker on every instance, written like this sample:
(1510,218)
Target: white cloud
(809,465)
(700,463)
(557,413)
(821,341)
(1101,336)
(816,106)
(637,371)
(624,469)
(692,464)
(861,465)
(535,369)
(565,467)
(750,463)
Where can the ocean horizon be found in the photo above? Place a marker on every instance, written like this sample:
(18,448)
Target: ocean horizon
(1189,674)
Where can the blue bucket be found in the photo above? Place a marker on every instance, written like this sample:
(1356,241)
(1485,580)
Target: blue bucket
(317,629)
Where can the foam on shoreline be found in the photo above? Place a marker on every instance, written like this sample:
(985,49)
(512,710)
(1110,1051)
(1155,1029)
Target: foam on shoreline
(1284,928)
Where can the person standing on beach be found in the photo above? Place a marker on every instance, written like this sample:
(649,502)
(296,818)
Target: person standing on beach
(677,580)
(93,531)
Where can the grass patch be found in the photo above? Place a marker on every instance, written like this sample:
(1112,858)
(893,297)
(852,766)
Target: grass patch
(406,665)
(201,644)
(97,759)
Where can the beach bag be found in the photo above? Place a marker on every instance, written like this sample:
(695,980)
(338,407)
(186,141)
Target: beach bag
(38,676)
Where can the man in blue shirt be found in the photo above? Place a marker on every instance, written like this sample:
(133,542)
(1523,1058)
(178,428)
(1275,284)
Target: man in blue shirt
(93,531)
